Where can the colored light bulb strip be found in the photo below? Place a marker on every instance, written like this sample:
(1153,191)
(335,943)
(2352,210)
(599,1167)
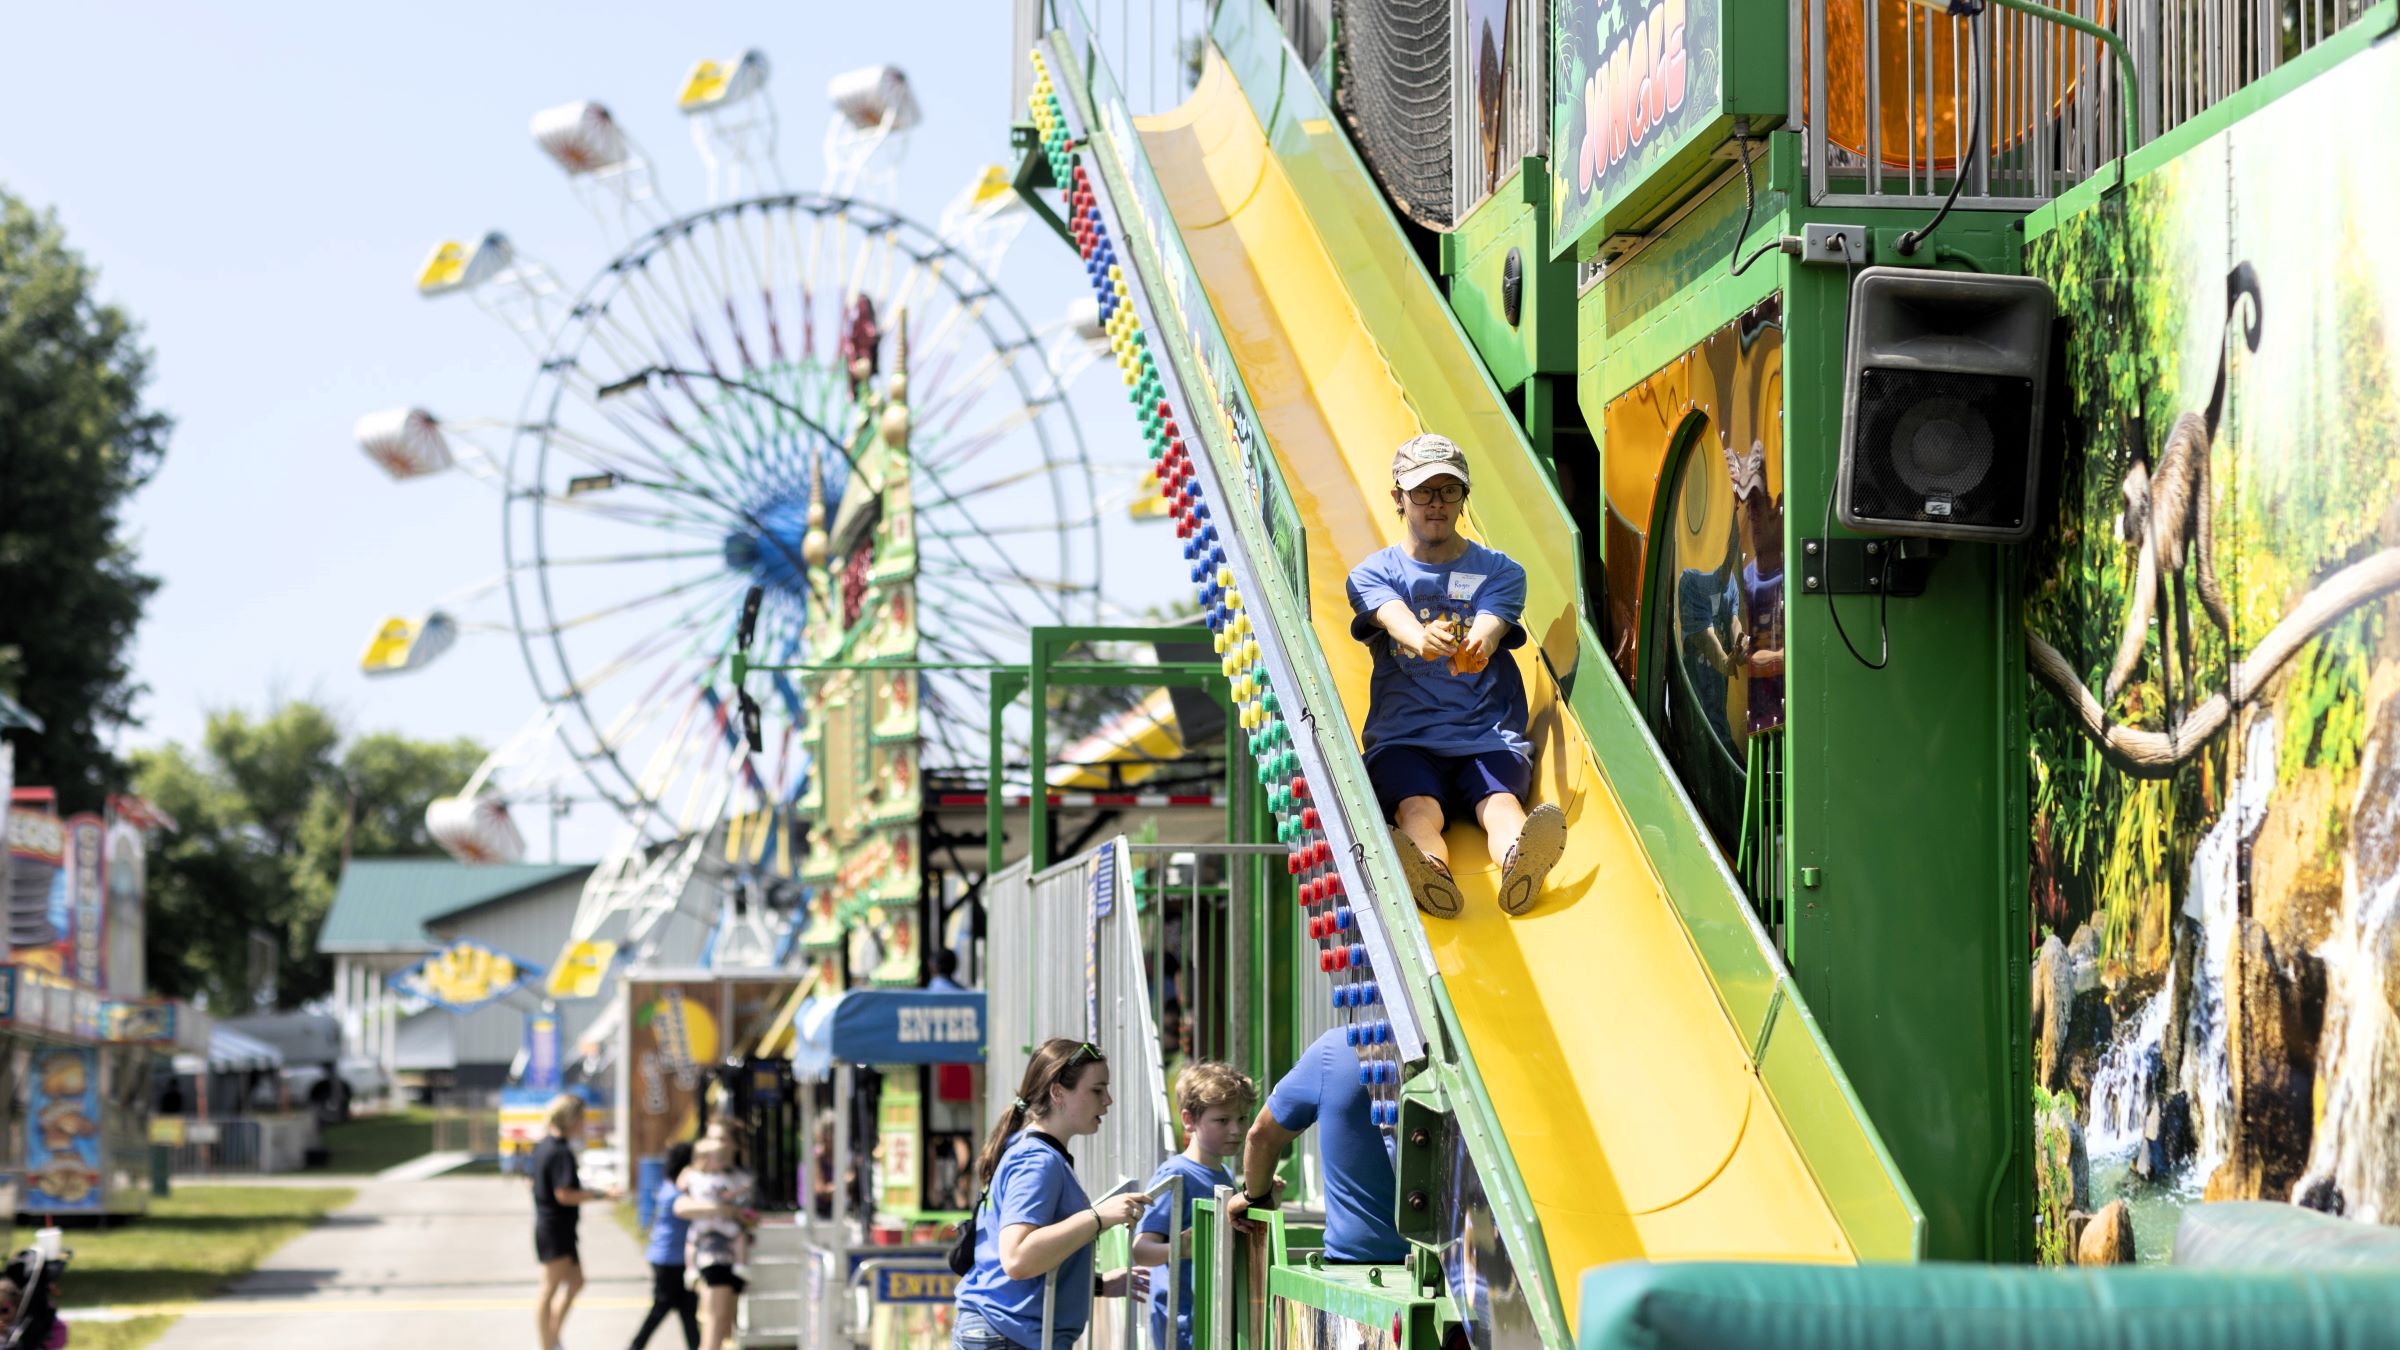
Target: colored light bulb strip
(1299,826)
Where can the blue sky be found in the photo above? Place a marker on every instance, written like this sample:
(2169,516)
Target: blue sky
(258,185)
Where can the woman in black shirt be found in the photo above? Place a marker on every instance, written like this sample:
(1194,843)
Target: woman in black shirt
(557,1193)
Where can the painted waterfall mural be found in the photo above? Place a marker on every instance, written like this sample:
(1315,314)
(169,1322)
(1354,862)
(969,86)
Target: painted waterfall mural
(2215,701)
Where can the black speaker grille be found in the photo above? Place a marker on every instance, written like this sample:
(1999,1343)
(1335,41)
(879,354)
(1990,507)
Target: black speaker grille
(1941,448)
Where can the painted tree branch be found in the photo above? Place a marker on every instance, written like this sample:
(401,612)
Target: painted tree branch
(2142,753)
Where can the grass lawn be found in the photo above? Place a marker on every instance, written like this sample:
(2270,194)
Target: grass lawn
(364,1145)
(187,1248)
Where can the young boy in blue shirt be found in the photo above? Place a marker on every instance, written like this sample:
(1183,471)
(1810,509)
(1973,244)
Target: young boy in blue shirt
(1214,1099)
(1445,733)
(668,1231)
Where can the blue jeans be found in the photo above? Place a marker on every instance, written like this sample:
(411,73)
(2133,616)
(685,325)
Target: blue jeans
(971,1332)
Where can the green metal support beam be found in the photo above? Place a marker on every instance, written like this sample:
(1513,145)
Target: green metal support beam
(1033,174)
(1048,666)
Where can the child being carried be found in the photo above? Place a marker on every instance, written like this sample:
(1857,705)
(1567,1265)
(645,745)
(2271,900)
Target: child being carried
(719,1245)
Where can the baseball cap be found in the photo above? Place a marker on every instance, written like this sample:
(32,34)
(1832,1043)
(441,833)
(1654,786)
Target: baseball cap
(1428,456)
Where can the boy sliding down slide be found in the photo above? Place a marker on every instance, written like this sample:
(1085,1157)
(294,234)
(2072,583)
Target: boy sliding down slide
(1445,733)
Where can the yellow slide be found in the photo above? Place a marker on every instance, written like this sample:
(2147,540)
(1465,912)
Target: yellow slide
(1628,1098)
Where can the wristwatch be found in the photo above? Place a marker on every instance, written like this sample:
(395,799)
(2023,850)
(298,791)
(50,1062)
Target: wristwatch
(1266,1201)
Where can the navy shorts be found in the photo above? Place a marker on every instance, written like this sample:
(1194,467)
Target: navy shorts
(1458,782)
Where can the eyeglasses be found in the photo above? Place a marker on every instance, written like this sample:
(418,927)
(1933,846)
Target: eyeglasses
(1448,493)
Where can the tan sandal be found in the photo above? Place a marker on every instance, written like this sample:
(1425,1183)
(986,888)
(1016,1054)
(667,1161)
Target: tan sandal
(1537,850)
(1428,880)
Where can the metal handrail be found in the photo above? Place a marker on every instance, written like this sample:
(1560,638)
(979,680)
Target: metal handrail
(874,1265)
(1521,105)
(819,1314)
(2059,111)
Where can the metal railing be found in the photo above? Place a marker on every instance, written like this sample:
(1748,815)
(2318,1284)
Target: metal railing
(1070,939)
(1139,1131)
(913,1321)
(1088,940)
(1499,99)
(822,1295)
(1308,26)
(1761,861)
(1889,101)
(1150,43)
(244,1145)
(1195,889)
(474,1133)
(1036,925)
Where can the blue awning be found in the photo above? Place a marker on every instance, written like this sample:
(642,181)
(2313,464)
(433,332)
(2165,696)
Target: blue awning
(889,1026)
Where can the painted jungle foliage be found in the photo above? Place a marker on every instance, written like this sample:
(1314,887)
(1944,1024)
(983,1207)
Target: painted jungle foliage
(2215,702)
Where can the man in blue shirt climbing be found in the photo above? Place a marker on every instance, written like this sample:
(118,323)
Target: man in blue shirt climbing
(1324,1090)
(1445,734)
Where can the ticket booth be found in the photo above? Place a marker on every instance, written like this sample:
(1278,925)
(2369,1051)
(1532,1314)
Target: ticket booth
(874,1233)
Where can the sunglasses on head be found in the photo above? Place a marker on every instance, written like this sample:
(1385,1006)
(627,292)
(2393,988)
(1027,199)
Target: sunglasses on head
(1084,1051)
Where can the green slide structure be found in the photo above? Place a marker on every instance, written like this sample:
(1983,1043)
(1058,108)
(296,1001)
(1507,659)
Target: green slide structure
(1295,339)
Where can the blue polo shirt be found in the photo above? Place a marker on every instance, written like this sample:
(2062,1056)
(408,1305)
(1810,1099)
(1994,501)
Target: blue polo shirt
(1323,1090)
(1420,703)
(1200,1182)
(1035,1185)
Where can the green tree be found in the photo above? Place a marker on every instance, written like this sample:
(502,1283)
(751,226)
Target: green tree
(271,809)
(75,442)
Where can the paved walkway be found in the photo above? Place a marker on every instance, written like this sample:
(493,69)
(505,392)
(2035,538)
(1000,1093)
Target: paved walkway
(442,1264)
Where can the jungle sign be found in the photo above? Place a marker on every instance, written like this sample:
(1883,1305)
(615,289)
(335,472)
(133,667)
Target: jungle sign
(1629,78)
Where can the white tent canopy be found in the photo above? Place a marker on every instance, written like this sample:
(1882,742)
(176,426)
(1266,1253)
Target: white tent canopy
(230,1051)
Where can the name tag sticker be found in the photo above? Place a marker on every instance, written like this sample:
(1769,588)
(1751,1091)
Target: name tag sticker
(1463,584)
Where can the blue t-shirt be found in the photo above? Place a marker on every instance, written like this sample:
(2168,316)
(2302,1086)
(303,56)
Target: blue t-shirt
(1199,1182)
(1036,1185)
(667,1228)
(1420,703)
(1323,1090)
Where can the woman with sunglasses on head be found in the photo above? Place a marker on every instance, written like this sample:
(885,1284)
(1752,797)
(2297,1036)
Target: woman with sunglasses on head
(1035,1217)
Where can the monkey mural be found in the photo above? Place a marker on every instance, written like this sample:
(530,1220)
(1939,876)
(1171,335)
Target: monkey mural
(2169,519)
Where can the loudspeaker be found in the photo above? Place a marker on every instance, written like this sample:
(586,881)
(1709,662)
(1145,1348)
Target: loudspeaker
(1942,408)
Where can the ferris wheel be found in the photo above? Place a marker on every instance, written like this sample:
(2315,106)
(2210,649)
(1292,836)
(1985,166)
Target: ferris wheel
(698,429)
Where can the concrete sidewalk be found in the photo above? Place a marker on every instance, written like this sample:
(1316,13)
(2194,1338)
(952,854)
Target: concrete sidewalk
(439,1264)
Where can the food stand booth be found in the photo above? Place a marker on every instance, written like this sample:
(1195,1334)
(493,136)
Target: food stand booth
(75,1077)
(683,1034)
